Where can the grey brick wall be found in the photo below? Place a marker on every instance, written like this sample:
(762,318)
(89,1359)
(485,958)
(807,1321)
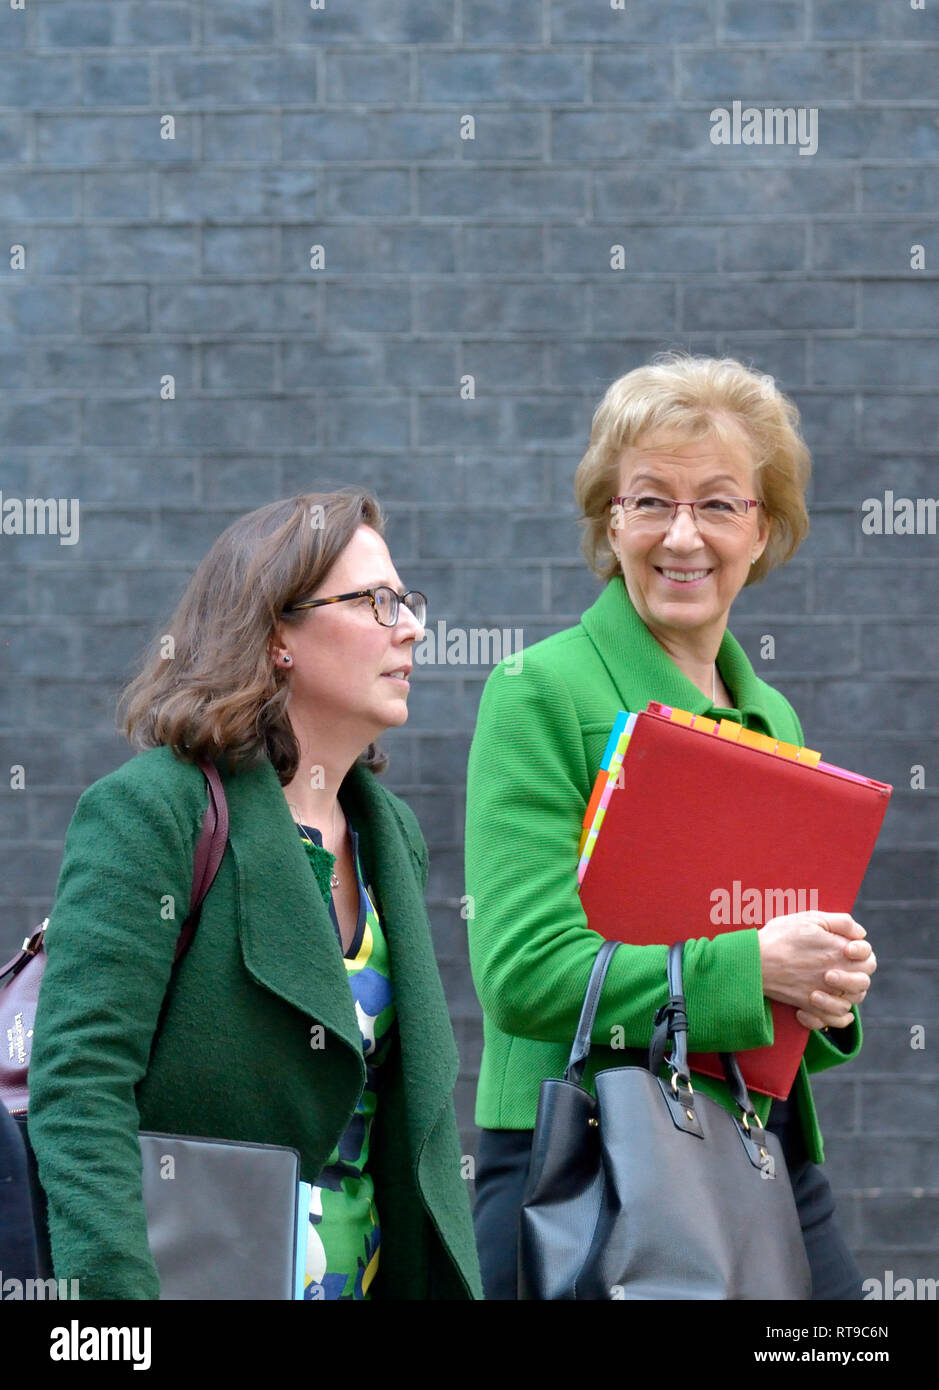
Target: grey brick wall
(444,256)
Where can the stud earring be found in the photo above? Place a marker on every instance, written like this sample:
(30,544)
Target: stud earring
(287,658)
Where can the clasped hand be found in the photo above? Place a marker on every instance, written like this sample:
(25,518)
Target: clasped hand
(818,961)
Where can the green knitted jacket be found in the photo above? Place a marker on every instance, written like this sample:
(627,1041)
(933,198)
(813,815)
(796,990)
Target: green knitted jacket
(540,735)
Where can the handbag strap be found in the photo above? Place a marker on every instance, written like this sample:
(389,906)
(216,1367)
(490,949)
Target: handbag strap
(31,947)
(671,1021)
(670,1024)
(210,849)
(581,1049)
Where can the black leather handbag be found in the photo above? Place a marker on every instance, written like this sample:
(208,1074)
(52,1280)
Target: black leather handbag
(649,1191)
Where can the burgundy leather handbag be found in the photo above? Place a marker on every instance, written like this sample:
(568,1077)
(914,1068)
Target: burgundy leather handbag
(21,977)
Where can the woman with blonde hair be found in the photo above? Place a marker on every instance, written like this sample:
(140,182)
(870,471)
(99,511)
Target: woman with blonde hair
(692,487)
(308,1010)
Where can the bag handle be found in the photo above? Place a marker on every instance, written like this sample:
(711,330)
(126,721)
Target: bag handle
(581,1050)
(210,849)
(670,1024)
(31,946)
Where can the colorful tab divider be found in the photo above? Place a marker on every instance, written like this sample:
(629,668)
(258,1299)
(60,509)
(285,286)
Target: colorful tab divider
(728,728)
(809,757)
(618,742)
(606,780)
(618,726)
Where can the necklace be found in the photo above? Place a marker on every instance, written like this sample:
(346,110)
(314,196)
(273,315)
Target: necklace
(333,877)
(714,685)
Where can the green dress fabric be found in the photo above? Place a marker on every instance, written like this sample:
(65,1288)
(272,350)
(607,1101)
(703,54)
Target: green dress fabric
(344,1232)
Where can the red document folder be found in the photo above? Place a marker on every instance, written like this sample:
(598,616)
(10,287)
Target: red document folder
(702,829)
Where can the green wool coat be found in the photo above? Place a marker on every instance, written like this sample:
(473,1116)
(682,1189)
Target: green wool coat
(540,735)
(235,1058)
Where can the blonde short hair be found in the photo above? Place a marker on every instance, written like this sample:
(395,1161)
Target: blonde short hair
(680,394)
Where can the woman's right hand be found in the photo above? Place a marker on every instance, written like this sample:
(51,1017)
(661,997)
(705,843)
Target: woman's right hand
(817,961)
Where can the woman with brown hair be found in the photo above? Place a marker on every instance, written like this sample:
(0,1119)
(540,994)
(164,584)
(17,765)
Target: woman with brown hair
(308,1010)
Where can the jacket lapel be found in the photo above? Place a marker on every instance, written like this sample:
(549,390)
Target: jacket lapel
(636,663)
(287,937)
(280,906)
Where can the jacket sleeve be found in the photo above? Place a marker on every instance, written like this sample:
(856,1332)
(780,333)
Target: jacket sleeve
(824,1050)
(110,943)
(531,949)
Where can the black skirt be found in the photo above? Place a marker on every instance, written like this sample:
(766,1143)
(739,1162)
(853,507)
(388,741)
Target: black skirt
(502,1170)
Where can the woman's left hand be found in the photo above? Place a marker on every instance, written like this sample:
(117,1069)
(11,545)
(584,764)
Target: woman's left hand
(845,988)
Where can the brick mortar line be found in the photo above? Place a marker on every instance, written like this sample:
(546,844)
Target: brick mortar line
(520,105)
(334,48)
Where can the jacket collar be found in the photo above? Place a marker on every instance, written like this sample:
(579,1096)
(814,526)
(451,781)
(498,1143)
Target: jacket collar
(638,665)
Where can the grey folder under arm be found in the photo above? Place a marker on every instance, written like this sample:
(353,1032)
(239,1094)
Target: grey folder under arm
(221,1216)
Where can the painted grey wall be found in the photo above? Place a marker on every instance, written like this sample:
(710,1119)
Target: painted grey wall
(489,256)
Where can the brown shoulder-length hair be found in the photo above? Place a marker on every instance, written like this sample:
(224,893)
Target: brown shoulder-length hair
(208,685)
(681,394)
